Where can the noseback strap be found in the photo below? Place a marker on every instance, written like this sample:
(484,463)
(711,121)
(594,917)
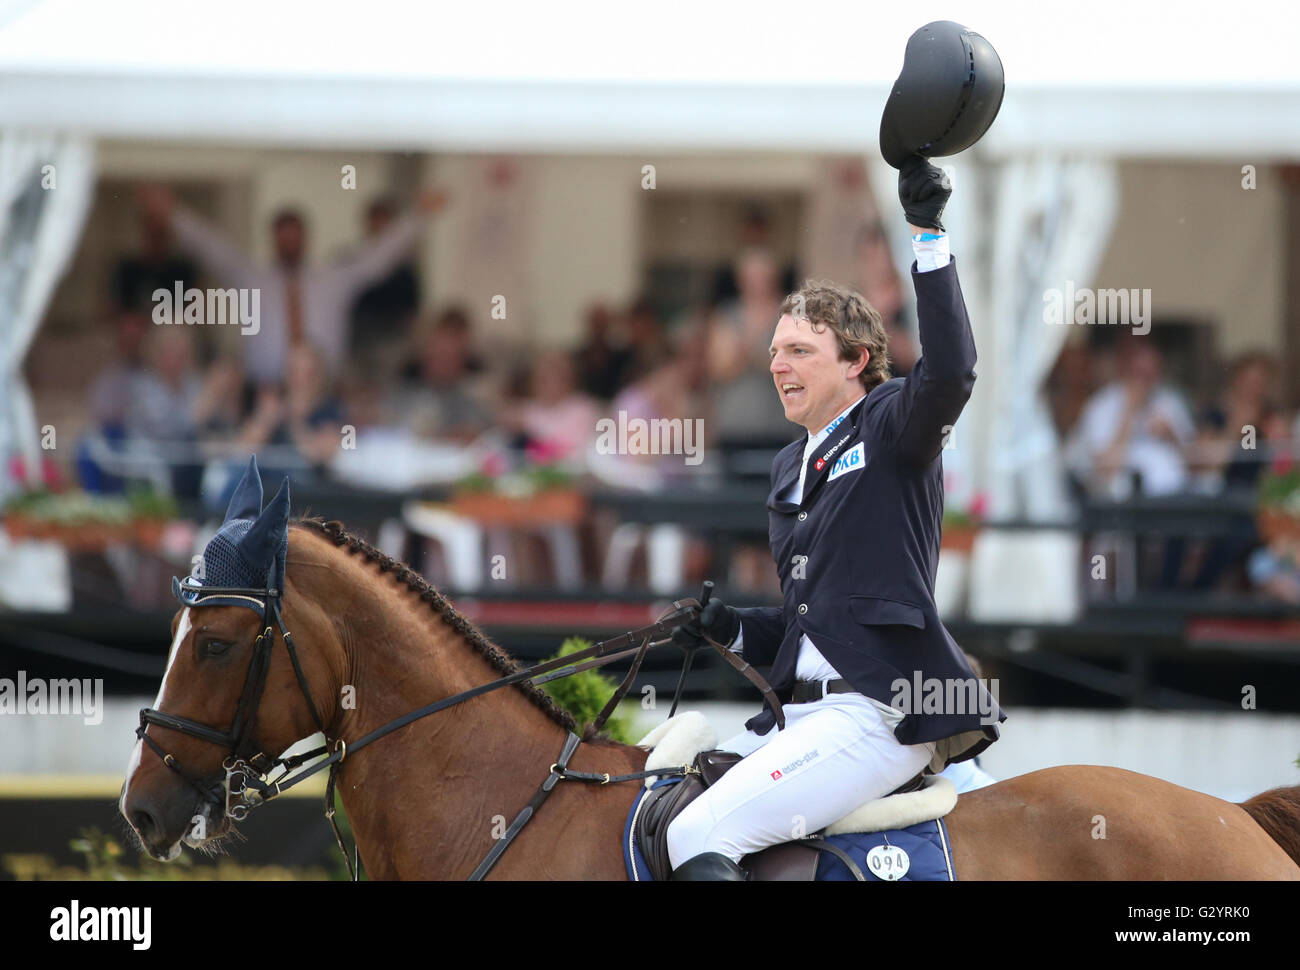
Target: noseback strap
(185,726)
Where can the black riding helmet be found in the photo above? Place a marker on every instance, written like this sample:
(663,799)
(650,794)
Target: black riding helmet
(946,97)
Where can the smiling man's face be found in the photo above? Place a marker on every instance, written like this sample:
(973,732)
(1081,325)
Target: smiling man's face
(812,381)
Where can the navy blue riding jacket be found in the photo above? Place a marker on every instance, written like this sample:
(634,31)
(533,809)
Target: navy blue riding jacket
(869,526)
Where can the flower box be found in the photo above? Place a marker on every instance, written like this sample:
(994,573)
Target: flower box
(1274,524)
(958,538)
(559,506)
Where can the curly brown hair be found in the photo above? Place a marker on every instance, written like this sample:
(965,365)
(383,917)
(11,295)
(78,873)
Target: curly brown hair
(857,325)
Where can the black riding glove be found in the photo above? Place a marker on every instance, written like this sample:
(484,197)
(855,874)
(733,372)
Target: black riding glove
(717,621)
(924,190)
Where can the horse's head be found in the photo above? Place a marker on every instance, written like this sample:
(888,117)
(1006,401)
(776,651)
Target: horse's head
(236,692)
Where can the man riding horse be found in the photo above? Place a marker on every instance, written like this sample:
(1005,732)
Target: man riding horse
(855,515)
(855,649)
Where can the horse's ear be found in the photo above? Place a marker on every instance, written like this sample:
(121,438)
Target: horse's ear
(246,502)
(266,541)
(278,507)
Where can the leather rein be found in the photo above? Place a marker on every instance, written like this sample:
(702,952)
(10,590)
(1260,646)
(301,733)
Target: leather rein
(246,781)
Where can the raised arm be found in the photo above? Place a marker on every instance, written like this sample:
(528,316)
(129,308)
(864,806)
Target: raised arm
(195,235)
(919,418)
(378,258)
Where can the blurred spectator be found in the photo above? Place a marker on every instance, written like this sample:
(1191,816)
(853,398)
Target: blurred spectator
(219,408)
(110,399)
(115,388)
(163,406)
(302,420)
(746,406)
(1275,569)
(1133,438)
(555,420)
(380,321)
(673,390)
(755,232)
(877,278)
(676,390)
(1069,385)
(298,302)
(601,365)
(454,319)
(1236,438)
(445,404)
(155,403)
(1230,445)
(647,343)
(155,266)
(1133,434)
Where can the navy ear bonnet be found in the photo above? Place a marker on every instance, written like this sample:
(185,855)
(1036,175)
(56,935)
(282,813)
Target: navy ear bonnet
(243,564)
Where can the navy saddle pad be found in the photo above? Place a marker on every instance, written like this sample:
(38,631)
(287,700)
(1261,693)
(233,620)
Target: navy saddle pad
(926,844)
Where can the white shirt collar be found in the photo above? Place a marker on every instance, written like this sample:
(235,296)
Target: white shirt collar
(824,433)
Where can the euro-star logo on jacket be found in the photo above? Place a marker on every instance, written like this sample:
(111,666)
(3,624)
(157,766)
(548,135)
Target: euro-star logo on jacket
(821,462)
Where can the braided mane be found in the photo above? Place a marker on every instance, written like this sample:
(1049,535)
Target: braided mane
(501,661)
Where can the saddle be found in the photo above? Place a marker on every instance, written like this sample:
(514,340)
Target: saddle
(786,862)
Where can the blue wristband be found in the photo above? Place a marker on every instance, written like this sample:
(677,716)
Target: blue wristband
(931,251)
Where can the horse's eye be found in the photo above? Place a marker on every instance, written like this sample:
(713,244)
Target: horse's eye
(215,648)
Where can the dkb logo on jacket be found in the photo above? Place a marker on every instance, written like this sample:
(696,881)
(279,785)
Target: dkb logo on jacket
(851,461)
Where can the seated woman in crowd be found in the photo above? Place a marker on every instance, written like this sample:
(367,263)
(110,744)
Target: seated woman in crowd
(1230,446)
(554,421)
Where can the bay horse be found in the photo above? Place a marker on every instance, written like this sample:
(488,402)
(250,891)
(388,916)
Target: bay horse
(376,641)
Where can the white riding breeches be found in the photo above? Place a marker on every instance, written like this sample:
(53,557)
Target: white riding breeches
(834,755)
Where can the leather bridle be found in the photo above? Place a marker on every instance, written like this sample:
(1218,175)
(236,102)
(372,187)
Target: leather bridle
(247,768)
(246,754)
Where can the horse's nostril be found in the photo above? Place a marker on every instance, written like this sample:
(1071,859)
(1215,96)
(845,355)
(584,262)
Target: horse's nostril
(144,823)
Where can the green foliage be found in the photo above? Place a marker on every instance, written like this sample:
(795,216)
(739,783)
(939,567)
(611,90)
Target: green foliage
(529,481)
(72,508)
(584,694)
(28,502)
(83,508)
(477,482)
(957,519)
(104,860)
(149,503)
(543,477)
(1280,488)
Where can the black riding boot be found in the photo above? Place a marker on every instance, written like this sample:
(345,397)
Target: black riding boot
(710,866)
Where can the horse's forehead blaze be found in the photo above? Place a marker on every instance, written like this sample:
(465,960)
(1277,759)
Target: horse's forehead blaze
(180,630)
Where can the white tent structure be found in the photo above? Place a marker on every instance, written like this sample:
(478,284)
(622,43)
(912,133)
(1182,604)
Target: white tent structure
(1035,201)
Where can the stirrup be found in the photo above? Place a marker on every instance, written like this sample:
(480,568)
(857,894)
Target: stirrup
(710,866)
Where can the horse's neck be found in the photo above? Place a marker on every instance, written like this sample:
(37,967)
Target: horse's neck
(428,800)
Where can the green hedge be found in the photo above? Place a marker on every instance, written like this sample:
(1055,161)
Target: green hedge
(584,694)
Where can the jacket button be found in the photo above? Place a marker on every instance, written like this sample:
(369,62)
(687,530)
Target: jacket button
(803,607)
(802,516)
